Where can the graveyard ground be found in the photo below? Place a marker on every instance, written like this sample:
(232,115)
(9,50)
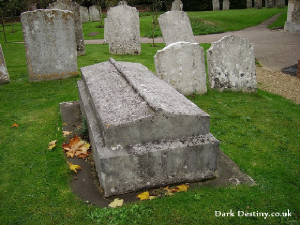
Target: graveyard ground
(205,22)
(260,132)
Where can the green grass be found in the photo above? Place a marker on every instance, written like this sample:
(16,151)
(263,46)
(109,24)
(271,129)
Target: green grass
(204,22)
(260,132)
(279,23)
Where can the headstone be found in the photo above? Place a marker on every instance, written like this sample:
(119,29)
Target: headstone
(231,65)
(106,35)
(182,65)
(249,4)
(226,4)
(177,5)
(292,23)
(95,13)
(216,5)
(50,43)
(175,26)
(258,4)
(84,14)
(122,30)
(143,132)
(280,3)
(4,77)
(75,8)
(269,3)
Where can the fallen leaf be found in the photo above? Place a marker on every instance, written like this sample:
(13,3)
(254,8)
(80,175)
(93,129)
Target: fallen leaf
(74,167)
(52,145)
(77,147)
(15,125)
(169,191)
(182,188)
(144,196)
(116,203)
(66,133)
(152,197)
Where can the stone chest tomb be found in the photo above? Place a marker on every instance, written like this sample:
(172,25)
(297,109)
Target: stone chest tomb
(143,132)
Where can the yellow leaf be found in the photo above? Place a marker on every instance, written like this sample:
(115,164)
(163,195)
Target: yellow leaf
(182,187)
(66,133)
(152,197)
(74,167)
(116,203)
(52,144)
(144,196)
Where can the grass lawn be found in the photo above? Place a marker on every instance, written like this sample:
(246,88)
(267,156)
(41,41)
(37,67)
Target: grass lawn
(260,132)
(279,23)
(204,22)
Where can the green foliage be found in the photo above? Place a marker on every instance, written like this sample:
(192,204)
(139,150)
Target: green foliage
(279,23)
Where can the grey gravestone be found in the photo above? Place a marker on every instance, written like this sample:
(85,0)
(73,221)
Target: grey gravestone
(177,5)
(269,3)
(175,26)
(50,44)
(292,23)
(280,3)
(75,8)
(143,132)
(4,77)
(182,65)
(95,13)
(216,5)
(258,4)
(122,30)
(249,3)
(84,14)
(106,34)
(226,4)
(231,65)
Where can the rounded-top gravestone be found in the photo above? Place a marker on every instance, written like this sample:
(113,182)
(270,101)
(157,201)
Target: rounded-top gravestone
(4,77)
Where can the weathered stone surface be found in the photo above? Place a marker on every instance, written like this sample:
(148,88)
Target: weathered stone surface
(216,5)
(75,8)
(106,28)
(292,23)
(177,5)
(84,14)
(4,77)
(226,4)
(122,30)
(258,4)
(231,64)
(182,65)
(50,44)
(143,132)
(95,13)
(175,26)
(249,3)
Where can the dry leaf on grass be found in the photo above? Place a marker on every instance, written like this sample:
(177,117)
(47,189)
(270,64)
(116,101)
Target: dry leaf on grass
(66,133)
(77,147)
(52,144)
(179,188)
(74,167)
(116,203)
(145,196)
(15,125)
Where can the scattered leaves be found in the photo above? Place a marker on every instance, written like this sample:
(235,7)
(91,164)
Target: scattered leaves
(14,125)
(116,203)
(77,147)
(182,188)
(52,144)
(67,133)
(178,188)
(74,167)
(145,196)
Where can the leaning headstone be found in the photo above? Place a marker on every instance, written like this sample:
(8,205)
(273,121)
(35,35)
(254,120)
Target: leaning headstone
(226,4)
(177,5)
(216,5)
(122,30)
(50,44)
(292,23)
(231,65)
(182,65)
(143,132)
(175,26)
(258,4)
(84,14)
(249,4)
(75,8)
(4,77)
(95,13)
